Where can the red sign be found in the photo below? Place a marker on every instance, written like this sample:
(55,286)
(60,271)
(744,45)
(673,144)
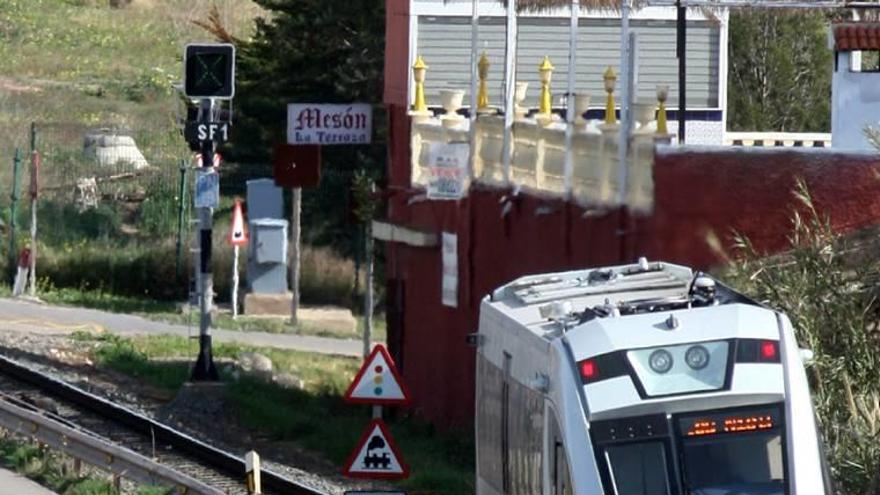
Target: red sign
(297,165)
(378,382)
(376,455)
(238,235)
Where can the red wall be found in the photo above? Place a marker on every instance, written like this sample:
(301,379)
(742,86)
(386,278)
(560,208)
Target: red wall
(698,191)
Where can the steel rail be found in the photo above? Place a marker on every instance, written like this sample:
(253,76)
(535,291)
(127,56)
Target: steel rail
(212,456)
(95,451)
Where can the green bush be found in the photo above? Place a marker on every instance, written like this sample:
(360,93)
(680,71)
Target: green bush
(829,294)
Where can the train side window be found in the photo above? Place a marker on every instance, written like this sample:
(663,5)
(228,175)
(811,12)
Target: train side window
(559,474)
(505,425)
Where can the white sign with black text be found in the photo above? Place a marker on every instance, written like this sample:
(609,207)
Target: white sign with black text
(450,270)
(325,124)
(447,170)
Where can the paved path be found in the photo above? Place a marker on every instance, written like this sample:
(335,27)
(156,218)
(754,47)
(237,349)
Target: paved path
(13,483)
(16,314)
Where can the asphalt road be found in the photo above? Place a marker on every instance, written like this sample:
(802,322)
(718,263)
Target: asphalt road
(12,483)
(17,314)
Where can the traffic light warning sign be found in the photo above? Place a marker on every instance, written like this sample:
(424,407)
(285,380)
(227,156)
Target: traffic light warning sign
(378,382)
(210,71)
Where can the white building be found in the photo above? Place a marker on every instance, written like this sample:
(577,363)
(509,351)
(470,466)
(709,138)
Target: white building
(855,86)
(440,32)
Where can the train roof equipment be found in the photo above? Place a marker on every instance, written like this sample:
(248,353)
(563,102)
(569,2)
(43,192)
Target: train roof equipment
(651,378)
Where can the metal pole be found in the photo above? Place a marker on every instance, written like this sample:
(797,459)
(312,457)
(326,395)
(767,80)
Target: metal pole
(509,87)
(32,286)
(181,212)
(13,244)
(368,288)
(475,29)
(295,254)
(235,282)
(570,101)
(626,75)
(35,174)
(205,369)
(681,48)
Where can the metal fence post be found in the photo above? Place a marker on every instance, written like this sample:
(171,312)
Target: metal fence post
(181,213)
(13,244)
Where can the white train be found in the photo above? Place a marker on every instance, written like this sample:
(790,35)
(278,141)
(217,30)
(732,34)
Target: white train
(645,379)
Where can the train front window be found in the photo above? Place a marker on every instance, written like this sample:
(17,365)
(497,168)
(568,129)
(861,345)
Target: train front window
(748,463)
(638,468)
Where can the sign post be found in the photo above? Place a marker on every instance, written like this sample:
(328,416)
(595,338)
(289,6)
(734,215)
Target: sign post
(296,166)
(238,237)
(377,383)
(209,75)
(35,191)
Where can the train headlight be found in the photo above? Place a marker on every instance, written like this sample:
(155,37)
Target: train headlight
(697,357)
(660,361)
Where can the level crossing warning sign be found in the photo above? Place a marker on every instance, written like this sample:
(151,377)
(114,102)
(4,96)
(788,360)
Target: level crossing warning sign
(378,382)
(238,235)
(376,455)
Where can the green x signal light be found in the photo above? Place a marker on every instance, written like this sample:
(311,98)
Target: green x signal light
(210,71)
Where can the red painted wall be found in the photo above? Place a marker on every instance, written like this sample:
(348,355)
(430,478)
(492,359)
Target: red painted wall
(697,191)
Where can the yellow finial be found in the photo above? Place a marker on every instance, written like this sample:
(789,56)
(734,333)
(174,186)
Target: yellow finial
(419,70)
(662,95)
(610,79)
(483,94)
(546,71)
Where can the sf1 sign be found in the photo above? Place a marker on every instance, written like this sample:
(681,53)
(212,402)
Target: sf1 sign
(309,123)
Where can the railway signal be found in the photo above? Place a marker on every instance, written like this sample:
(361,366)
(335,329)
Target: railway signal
(210,71)
(209,75)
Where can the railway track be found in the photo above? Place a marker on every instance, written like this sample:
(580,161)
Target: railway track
(120,441)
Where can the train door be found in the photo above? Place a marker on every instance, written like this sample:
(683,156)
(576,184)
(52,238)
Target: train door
(558,478)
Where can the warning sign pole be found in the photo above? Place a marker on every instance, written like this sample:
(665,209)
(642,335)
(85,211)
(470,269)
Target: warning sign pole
(235,282)
(238,237)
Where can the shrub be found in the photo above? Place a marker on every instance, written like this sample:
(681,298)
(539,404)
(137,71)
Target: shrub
(829,294)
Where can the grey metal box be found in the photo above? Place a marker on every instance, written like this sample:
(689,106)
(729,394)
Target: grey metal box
(264,199)
(270,240)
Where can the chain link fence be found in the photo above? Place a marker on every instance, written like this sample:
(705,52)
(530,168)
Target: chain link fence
(114,214)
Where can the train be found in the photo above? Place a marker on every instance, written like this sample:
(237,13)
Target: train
(643,379)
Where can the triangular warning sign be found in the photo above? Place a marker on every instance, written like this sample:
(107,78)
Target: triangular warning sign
(238,235)
(376,455)
(378,382)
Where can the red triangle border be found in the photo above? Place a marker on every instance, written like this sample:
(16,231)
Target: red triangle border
(379,348)
(391,445)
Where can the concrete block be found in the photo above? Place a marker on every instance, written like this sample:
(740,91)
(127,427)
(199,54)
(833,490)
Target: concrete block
(268,304)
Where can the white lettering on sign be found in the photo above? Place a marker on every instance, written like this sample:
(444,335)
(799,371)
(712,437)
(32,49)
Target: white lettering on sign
(329,124)
(214,132)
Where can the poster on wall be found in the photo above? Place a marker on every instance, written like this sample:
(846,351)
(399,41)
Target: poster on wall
(447,171)
(450,270)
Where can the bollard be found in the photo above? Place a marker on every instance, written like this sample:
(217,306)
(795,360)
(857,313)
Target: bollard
(252,472)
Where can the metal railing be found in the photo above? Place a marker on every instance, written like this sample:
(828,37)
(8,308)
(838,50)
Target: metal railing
(777,139)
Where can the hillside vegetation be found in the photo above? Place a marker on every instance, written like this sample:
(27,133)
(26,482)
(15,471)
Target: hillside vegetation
(84,61)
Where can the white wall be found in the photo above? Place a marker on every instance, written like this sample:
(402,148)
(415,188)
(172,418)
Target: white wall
(855,104)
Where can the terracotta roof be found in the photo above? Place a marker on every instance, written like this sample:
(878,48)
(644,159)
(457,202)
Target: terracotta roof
(857,36)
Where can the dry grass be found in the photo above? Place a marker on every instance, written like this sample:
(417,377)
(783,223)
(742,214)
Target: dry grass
(831,302)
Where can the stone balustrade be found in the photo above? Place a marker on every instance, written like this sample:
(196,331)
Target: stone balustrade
(537,161)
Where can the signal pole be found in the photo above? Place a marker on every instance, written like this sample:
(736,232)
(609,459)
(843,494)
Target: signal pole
(205,370)
(209,74)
